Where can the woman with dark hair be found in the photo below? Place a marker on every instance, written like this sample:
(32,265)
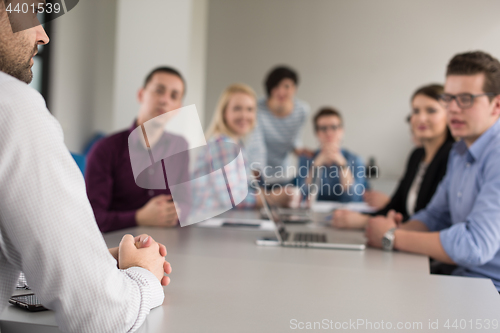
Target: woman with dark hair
(280,119)
(426,166)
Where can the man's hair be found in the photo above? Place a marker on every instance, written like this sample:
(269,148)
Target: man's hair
(277,74)
(326,111)
(168,70)
(472,63)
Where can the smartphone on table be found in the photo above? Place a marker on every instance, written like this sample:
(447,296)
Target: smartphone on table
(28,302)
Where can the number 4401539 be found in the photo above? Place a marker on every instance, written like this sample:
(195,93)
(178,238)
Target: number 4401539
(478,324)
(26,8)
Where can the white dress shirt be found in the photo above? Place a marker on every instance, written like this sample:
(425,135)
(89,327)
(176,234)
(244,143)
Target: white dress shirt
(48,229)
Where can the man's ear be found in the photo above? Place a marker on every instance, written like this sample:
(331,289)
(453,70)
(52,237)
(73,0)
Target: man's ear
(496,105)
(140,95)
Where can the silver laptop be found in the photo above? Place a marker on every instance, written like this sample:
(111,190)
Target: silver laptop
(300,239)
(303,213)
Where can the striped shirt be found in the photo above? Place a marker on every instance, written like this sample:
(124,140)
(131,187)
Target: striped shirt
(274,138)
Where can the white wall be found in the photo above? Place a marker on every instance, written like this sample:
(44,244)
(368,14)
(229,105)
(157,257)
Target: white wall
(102,51)
(155,33)
(82,48)
(364,57)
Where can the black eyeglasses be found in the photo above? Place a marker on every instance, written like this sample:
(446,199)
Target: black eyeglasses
(324,129)
(464,101)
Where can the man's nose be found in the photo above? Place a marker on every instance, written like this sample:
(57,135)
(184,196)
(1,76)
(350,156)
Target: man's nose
(164,99)
(41,35)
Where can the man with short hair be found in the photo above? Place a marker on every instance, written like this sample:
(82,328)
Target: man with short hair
(280,119)
(118,202)
(47,227)
(461,224)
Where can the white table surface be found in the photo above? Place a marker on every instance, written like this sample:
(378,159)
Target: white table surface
(223,282)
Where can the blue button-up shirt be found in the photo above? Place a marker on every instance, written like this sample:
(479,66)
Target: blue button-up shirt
(466,207)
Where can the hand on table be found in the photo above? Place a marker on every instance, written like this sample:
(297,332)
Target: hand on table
(280,199)
(159,211)
(379,225)
(347,219)
(142,242)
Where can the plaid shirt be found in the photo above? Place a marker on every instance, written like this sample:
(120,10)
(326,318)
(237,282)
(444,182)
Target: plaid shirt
(221,152)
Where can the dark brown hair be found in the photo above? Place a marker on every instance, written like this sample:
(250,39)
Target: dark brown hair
(168,70)
(431,90)
(472,63)
(326,111)
(277,74)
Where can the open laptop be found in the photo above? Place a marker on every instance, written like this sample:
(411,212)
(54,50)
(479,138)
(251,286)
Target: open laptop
(301,239)
(301,214)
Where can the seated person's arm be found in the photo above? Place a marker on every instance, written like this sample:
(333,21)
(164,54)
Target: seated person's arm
(343,218)
(99,185)
(414,225)
(158,211)
(420,235)
(407,239)
(354,220)
(427,243)
(476,241)
(332,155)
(49,233)
(354,175)
(376,199)
(143,241)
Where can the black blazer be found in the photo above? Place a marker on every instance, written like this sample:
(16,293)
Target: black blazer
(435,172)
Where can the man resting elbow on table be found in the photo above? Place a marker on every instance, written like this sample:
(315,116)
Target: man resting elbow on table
(461,224)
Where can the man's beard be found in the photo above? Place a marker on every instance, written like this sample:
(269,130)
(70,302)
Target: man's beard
(15,65)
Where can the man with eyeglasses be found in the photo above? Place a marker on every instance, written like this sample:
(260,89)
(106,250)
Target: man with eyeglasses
(461,224)
(341,173)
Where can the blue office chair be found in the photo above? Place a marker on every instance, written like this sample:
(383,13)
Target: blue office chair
(80,161)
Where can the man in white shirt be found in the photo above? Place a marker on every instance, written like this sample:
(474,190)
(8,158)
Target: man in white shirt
(47,227)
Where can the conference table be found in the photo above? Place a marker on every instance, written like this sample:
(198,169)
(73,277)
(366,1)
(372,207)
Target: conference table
(223,282)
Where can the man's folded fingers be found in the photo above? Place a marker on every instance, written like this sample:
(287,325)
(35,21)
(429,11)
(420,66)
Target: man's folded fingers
(165,281)
(163,250)
(167,267)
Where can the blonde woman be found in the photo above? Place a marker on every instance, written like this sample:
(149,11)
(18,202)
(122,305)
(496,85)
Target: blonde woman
(234,118)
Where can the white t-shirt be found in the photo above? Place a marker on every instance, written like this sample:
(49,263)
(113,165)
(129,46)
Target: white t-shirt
(411,199)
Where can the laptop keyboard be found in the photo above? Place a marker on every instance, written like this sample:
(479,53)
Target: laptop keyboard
(309,237)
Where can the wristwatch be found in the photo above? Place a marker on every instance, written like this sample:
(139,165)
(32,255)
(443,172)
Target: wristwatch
(388,240)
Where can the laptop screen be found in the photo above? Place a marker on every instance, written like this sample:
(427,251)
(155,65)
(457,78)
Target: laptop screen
(274,216)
